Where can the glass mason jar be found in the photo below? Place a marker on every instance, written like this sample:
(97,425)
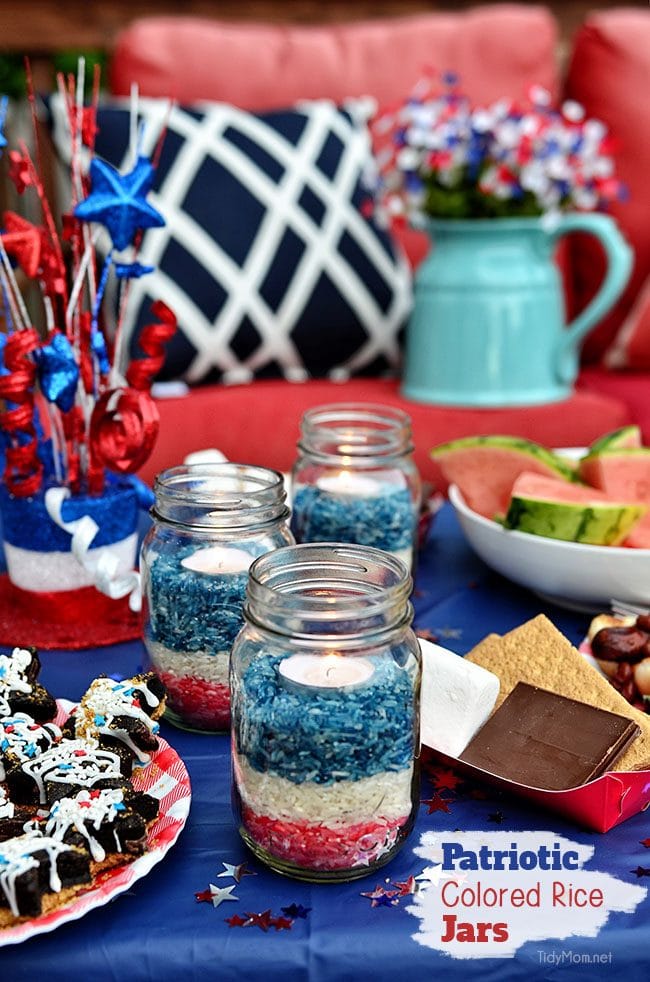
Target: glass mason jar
(325,686)
(210,521)
(355,479)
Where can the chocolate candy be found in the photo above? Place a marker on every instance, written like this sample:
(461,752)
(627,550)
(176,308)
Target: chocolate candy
(628,643)
(543,740)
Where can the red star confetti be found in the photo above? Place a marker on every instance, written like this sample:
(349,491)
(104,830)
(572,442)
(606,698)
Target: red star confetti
(236,921)
(436,804)
(263,920)
(204,896)
(406,887)
(646,843)
(237,872)
(282,923)
(641,871)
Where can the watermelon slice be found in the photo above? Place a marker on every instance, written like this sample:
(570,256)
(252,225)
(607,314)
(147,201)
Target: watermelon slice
(626,436)
(559,510)
(486,467)
(622,473)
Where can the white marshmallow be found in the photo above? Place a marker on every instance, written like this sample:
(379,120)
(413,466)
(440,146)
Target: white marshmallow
(457,698)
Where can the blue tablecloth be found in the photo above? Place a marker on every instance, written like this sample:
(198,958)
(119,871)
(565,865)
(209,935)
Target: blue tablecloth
(158,931)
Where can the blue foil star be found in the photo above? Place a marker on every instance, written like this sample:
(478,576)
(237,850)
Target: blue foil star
(58,372)
(118,200)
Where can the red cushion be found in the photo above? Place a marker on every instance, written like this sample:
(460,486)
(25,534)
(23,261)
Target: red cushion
(498,50)
(632,388)
(259,423)
(609,74)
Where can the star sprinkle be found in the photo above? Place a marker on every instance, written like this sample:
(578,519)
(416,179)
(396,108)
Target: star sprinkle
(496,817)
(646,843)
(295,910)
(641,871)
(436,804)
(237,872)
(264,920)
(406,887)
(117,201)
(381,897)
(386,901)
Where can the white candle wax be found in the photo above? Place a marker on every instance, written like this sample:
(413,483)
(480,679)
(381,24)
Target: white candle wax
(216,560)
(349,483)
(325,672)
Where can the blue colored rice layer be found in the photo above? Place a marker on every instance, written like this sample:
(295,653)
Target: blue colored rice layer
(193,611)
(385,522)
(326,736)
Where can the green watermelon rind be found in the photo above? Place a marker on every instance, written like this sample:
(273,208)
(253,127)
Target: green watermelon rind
(600,523)
(610,452)
(617,440)
(557,464)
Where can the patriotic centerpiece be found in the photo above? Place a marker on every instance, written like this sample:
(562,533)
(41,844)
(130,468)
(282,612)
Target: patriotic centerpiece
(445,157)
(77,417)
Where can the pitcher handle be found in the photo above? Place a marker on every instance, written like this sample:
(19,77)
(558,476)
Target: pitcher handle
(619,257)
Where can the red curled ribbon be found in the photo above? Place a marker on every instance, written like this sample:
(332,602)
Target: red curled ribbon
(24,469)
(152,340)
(123,429)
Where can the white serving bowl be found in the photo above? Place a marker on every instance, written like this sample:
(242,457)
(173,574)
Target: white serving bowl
(581,577)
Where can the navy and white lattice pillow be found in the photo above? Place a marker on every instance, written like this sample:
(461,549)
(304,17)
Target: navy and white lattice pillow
(268,258)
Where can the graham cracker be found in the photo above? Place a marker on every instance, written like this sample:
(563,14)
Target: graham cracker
(537,653)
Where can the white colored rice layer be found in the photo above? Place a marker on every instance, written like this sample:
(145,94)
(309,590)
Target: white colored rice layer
(200,664)
(386,795)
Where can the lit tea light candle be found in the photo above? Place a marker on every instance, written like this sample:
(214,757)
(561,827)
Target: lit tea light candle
(325,672)
(351,484)
(217,560)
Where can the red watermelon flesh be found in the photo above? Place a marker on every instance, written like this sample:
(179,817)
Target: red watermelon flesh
(485,467)
(623,474)
(530,485)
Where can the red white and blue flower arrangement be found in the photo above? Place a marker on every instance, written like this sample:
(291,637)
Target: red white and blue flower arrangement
(444,157)
(78,418)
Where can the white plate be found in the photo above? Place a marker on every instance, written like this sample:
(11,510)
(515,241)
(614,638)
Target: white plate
(165,778)
(581,577)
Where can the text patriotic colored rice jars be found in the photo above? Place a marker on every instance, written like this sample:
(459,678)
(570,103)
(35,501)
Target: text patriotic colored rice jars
(355,479)
(210,522)
(325,681)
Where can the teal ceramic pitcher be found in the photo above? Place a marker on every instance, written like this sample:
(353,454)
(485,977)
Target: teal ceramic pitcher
(488,325)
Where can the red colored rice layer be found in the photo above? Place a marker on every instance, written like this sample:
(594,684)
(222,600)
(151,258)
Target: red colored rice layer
(200,704)
(319,847)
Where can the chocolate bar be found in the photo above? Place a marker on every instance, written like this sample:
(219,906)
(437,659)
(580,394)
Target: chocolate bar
(543,740)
